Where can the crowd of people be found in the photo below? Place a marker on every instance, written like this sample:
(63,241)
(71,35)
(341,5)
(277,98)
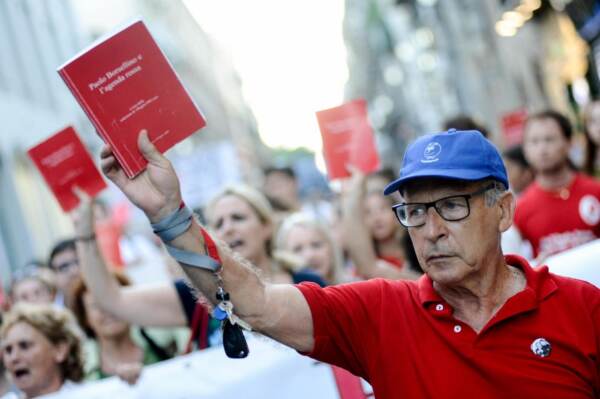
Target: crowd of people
(409,271)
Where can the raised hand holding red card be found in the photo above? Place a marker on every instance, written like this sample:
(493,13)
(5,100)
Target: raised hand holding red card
(347,139)
(64,162)
(125,84)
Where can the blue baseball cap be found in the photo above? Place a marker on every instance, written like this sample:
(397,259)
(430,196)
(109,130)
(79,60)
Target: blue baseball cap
(457,155)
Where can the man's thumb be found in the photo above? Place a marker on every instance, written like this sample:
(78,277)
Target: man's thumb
(148,149)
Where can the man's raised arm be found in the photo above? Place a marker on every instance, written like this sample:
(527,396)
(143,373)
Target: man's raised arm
(279,311)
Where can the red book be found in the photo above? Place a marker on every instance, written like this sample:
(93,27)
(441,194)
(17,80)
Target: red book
(513,124)
(347,139)
(125,84)
(64,163)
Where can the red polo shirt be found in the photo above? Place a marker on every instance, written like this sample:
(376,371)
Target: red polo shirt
(401,337)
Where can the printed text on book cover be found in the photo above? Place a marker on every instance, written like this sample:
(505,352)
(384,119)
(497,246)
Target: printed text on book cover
(126,84)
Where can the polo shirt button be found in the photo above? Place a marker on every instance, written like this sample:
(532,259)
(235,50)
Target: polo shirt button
(457,328)
(439,307)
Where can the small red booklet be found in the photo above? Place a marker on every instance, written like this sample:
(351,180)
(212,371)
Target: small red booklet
(513,124)
(125,84)
(64,163)
(347,139)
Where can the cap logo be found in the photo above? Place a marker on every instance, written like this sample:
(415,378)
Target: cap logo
(540,347)
(431,152)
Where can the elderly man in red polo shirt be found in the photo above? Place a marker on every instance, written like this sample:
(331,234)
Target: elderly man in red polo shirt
(478,324)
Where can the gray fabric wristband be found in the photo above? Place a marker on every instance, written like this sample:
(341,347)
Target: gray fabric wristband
(174,224)
(193,259)
(171,227)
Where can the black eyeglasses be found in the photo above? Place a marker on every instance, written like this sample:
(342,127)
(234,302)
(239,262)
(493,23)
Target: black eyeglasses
(452,208)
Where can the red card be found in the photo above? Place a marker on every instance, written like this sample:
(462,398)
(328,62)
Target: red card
(64,163)
(513,124)
(347,139)
(125,84)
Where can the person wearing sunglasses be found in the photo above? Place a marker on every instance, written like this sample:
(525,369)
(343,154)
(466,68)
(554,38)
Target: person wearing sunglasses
(477,324)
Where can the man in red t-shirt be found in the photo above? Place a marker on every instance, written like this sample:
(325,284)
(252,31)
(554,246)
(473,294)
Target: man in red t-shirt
(476,325)
(561,209)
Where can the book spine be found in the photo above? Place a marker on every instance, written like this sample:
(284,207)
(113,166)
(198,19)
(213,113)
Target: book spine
(92,117)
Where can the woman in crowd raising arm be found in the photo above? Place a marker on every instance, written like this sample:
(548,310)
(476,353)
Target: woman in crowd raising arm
(372,234)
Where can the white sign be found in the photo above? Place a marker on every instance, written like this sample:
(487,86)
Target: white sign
(582,262)
(270,371)
(205,171)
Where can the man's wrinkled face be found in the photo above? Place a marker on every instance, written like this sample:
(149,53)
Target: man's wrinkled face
(450,251)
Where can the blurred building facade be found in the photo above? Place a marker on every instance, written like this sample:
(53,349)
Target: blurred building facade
(419,62)
(35,38)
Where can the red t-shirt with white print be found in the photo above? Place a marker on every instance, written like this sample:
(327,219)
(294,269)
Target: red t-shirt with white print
(554,221)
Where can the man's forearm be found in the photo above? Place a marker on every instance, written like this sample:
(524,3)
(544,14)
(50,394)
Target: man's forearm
(239,278)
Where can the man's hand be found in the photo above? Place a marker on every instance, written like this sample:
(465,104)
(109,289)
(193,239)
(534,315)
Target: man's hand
(156,190)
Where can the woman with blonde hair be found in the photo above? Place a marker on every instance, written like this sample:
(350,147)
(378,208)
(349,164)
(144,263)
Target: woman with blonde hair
(41,349)
(242,217)
(309,239)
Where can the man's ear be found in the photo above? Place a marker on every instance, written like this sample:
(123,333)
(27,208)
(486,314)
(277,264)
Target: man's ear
(506,206)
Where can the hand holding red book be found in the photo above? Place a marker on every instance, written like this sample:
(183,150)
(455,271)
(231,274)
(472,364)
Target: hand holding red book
(125,84)
(65,163)
(348,139)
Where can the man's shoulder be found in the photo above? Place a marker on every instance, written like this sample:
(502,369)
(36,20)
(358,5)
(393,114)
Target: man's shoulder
(576,289)
(542,278)
(383,284)
(371,284)
(361,290)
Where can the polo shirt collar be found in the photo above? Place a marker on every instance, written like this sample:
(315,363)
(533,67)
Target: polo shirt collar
(539,286)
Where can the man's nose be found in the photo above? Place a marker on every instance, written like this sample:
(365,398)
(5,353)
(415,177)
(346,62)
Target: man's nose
(435,225)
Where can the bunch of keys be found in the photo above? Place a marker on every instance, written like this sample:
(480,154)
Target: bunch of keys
(234,342)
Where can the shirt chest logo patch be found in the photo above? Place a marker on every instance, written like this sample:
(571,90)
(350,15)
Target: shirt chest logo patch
(540,347)
(589,210)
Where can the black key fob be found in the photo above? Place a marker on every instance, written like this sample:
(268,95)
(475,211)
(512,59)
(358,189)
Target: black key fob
(234,342)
